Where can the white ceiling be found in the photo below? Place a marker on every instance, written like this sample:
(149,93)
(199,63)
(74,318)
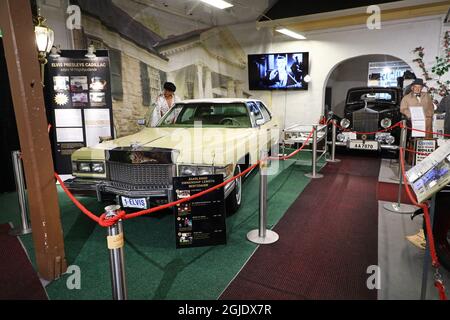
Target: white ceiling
(195,11)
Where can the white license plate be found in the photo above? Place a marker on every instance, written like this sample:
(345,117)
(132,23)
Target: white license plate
(363,145)
(138,203)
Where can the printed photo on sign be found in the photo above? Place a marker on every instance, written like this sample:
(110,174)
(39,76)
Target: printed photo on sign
(68,118)
(184,223)
(98,84)
(78,83)
(79,99)
(69,135)
(61,99)
(186,238)
(98,99)
(61,83)
(184,209)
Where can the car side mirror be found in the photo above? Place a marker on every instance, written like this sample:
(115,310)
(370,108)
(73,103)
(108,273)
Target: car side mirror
(259,122)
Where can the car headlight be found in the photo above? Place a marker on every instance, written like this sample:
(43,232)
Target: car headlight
(345,123)
(340,137)
(98,167)
(390,140)
(84,167)
(386,123)
(187,170)
(204,170)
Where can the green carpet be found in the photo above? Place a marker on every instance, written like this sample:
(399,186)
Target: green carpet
(154,268)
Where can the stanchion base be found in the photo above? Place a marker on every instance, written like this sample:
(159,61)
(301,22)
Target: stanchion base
(403,208)
(271,237)
(311,176)
(333,161)
(19,232)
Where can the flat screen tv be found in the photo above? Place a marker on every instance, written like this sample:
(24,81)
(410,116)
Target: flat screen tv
(278,71)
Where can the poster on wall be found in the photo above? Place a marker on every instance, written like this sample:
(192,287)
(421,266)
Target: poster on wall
(200,222)
(79,103)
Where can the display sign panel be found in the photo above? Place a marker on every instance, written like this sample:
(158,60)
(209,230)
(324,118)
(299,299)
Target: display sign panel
(200,222)
(432,174)
(78,101)
(424,146)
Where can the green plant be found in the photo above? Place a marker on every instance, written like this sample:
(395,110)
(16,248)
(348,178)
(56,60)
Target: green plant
(440,68)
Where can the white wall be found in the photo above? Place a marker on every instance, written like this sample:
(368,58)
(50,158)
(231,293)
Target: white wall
(328,48)
(55,13)
(349,74)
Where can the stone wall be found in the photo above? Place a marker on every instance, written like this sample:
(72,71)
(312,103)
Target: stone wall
(130,109)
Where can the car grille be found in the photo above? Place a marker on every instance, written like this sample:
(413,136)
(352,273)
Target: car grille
(140,176)
(365,121)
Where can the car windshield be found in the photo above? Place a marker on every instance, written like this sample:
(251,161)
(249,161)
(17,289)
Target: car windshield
(233,115)
(359,96)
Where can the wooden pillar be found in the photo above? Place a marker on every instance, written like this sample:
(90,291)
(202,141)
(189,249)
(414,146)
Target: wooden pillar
(26,89)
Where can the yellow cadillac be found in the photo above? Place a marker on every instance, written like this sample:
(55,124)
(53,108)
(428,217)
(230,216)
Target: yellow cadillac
(196,137)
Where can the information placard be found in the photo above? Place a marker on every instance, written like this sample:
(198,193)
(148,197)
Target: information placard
(424,146)
(78,102)
(200,222)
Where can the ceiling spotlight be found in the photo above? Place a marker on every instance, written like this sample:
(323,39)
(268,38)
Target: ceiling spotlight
(218,3)
(290,33)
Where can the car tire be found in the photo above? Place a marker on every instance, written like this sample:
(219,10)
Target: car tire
(233,202)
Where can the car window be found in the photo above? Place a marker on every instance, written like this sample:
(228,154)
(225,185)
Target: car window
(265,111)
(361,95)
(254,109)
(210,114)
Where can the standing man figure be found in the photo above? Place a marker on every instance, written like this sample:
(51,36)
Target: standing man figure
(444,107)
(417,98)
(165,101)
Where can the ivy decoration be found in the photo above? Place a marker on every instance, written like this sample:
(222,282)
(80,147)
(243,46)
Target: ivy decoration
(440,67)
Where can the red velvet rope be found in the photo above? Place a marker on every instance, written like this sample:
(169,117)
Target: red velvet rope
(441,289)
(122,215)
(398,124)
(429,132)
(426,214)
(296,151)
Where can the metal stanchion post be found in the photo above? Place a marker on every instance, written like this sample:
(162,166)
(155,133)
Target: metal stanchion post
(262,235)
(25,228)
(116,259)
(333,144)
(398,206)
(284,145)
(314,174)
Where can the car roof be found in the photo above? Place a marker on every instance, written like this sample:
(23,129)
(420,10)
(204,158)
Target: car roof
(219,100)
(375,88)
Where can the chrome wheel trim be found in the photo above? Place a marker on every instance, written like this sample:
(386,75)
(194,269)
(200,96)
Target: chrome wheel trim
(238,186)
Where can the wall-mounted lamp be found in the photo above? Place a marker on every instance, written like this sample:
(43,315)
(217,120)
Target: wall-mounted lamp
(44,40)
(91,52)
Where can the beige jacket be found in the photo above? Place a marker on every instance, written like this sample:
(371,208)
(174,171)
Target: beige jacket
(410,100)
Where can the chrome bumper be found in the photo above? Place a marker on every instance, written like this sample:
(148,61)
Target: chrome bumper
(382,146)
(92,187)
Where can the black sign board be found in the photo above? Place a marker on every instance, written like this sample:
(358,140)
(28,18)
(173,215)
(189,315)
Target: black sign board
(200,222)
(78,103)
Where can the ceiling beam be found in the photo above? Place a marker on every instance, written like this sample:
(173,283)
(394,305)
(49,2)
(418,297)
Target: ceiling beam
(351,17)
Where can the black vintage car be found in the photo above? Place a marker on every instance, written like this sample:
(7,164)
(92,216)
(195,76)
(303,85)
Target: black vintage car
(370,109)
